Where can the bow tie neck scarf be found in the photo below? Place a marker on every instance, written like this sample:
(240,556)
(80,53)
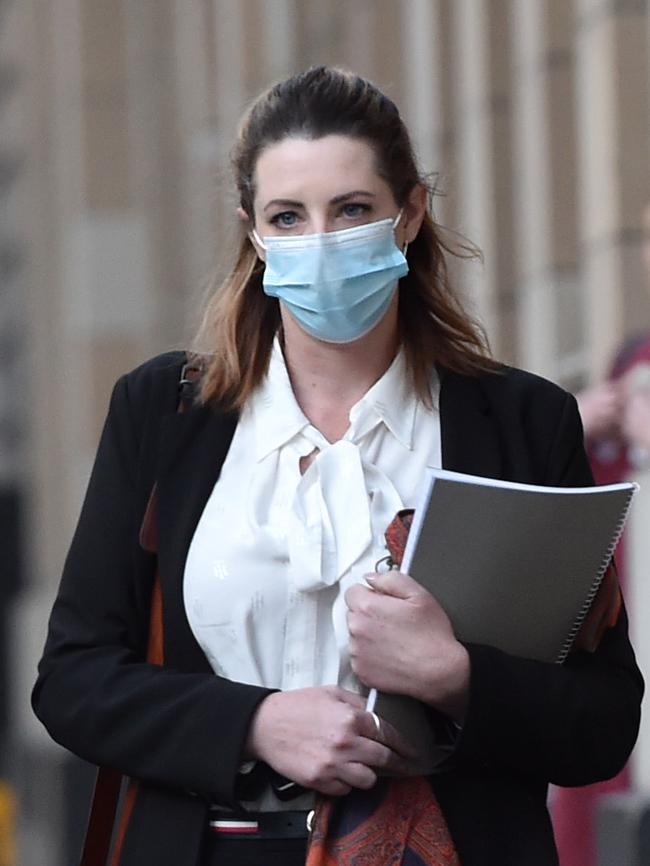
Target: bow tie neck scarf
(339,483)
(338,500)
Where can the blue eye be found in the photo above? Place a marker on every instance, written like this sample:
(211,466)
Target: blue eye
(352,210)
(286,219)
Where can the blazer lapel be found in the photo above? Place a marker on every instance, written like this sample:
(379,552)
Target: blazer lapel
(470,442)
(193,446)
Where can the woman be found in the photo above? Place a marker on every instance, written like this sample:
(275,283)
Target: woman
(339,366)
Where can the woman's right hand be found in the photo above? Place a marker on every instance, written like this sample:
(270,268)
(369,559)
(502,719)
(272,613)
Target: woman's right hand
(322,738)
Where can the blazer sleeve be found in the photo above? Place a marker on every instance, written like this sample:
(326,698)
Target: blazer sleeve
(95,693)
(570,724)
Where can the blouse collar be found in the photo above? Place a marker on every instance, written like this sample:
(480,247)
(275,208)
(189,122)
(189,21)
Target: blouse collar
(391,401)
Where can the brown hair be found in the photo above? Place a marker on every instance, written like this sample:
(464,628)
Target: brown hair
(240,321)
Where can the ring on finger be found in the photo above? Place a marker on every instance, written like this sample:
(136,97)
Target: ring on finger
(377,722)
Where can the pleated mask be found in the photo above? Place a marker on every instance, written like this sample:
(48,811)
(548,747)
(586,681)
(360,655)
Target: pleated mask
(337,285)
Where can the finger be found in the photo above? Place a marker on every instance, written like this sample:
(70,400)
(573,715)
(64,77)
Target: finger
(333,788)
(357,775)
(394,583)
(371,727)
(355,595)
(377,724)
(380,758)
(396,742)
(400,767)
(351,698)
(388,742)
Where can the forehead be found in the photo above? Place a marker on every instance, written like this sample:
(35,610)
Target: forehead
(297,167)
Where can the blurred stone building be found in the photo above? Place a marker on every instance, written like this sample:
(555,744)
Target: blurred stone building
(116,118)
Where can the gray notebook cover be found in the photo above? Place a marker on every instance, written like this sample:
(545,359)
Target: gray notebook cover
(514,566)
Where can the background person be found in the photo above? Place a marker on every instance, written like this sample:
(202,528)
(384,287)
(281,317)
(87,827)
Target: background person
(616,418)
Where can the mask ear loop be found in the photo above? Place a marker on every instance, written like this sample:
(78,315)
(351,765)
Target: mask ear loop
(396,222)
(258,240)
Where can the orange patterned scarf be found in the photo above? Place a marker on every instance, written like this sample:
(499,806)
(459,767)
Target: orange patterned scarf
(397,823)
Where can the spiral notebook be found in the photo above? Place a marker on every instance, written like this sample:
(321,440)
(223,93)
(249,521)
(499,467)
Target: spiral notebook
(515,566)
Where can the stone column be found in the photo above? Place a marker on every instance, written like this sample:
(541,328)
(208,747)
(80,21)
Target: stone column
(14,394)
(544,187)
(106,265)
(613,184)
(481,42)
(421,74)
(443,107)
(192,78)
(60,402)
(613,171)
(280,38)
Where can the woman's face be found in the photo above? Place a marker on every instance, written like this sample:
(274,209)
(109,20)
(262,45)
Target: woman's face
(307,186)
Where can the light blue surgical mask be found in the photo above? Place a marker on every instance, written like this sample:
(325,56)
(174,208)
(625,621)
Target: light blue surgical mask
(336,285)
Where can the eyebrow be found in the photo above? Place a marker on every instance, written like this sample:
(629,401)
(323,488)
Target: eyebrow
(348,195)
(338,199)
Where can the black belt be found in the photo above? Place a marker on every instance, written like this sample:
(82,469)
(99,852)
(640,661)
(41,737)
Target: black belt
(262,825)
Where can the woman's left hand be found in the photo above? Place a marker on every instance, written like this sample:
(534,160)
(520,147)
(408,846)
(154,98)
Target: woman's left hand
(401,641)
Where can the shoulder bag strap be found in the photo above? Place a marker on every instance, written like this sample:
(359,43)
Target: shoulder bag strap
(101,820)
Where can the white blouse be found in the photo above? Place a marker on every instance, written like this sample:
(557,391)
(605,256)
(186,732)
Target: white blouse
(274,550)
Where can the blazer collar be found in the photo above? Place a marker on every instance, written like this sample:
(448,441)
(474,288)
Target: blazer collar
(470,441)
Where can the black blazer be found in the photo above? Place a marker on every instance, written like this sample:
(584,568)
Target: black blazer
(180,729)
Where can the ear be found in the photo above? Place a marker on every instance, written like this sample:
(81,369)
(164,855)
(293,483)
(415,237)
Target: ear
(414,211)
(248,225)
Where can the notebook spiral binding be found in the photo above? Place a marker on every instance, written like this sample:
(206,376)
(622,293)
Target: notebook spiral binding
(607,558)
